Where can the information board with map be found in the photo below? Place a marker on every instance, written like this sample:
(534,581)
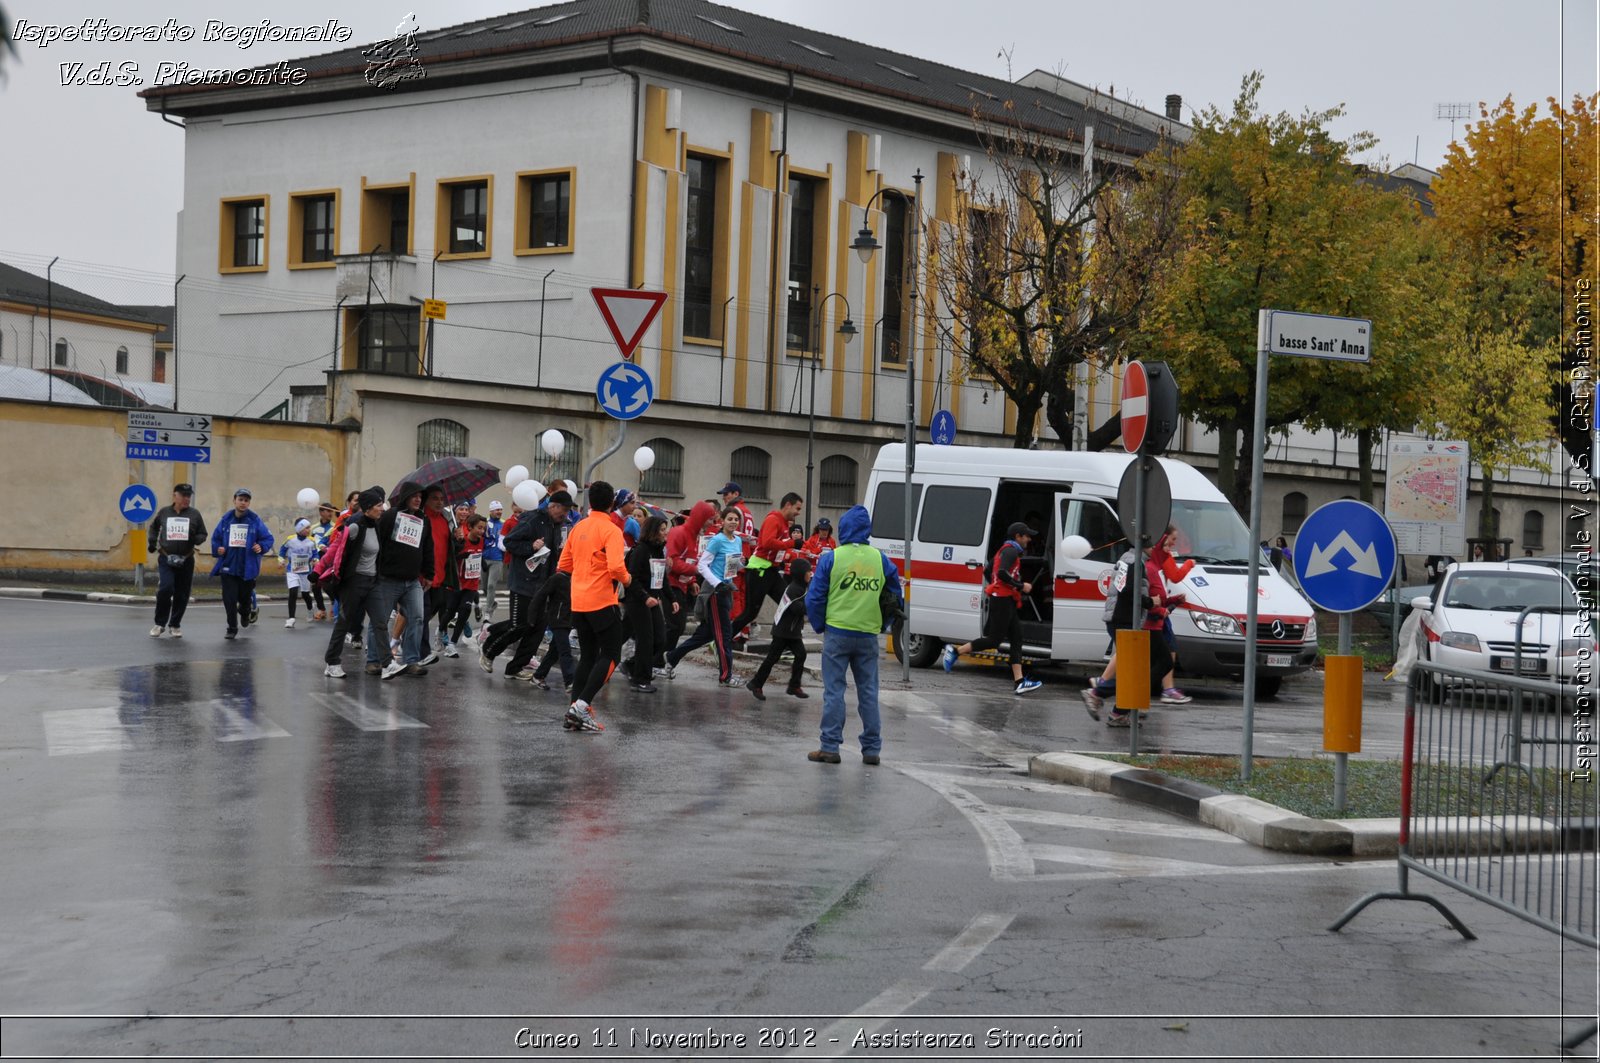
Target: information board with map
(1425,501)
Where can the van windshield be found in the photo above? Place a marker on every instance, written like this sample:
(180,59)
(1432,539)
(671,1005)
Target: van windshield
(1212,533)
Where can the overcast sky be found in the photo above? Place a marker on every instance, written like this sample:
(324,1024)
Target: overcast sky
(88,174)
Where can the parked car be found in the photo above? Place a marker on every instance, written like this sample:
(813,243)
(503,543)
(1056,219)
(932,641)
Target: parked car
(1580,573)
(1473,622)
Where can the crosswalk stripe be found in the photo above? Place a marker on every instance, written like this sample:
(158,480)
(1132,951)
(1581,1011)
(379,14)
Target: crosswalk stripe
(365,716)
(1076,821)
(1123,863)
(233,725)
(971,941)
(73,732)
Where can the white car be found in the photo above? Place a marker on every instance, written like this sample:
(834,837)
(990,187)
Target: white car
(1473,622)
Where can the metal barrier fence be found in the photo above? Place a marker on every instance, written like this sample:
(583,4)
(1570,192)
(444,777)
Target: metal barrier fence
(1498,800)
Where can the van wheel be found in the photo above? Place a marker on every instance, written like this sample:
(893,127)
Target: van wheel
(924,649)
(1267,687)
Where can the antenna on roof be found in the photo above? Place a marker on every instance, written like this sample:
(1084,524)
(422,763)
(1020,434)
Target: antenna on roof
(1452,111)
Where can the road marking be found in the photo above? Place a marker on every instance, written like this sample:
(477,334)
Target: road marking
(1222,870)
(364,716)
(233,724)
(1122,863)
(835,1040)
(1118,826)
(1008,853)
(73,732)
(963,731)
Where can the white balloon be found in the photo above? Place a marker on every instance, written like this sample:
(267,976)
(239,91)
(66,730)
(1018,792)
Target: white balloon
(553,442)
(528,494)
(308,498)
(516,474)
(572,489)
(1075,547)
(643,459)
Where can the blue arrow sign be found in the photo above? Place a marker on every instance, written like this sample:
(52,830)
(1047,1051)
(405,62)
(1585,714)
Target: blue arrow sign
(943,428)
(164,452)
(137,504)
(1344,555)
(625,391)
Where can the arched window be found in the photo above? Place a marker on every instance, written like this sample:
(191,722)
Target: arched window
(440,438)
(61,352)
(1294,512)
(1533,530)
(751,468)
(570,465)
(122,361)
(665,477)
(838,487)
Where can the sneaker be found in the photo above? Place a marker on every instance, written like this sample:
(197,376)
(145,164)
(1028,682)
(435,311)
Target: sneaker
(349,639)
(231,633)
(1174,696)
(731,681)
(415,671)
(567,687)
(526,675)
(642,688)
(156,631)
(321,614)
(1118,718)
(947,659)
(431,658)
(289,623)
(392,669)
(581,717)
(374,669)
(542,684)
(755,688)
(333,671)
(174,632)
(870,759)
(796,692)
(660,673)
(1093,702)
(669,672)
(255,615)
(1028,684)
(485,661)
(450,650)
(823,756)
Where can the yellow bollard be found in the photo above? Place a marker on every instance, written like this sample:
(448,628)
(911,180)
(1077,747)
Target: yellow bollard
(138,545)
(1133,670)
(1341,704)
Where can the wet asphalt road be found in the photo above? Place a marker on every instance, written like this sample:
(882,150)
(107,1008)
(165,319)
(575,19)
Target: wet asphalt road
(213,830)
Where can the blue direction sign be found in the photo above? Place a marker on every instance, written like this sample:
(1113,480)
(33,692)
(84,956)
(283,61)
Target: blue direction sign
(943,428)
(137,504)
(625,391)
(165,452)
(1344,555)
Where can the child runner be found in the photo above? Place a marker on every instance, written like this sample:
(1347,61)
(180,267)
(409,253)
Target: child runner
(787,625)
(716,577)
(298,555)
(469,575)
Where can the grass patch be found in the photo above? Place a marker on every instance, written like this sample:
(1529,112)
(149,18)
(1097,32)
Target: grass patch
(1305,785)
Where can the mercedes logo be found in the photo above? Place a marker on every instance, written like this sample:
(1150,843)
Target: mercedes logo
(1277,629)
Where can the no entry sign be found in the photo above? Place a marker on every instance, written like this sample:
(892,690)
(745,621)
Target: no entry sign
(1135,407)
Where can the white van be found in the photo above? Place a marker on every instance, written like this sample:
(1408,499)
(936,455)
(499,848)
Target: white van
(966,497)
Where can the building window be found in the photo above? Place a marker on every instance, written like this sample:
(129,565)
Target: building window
(1533,530)
(1294,512)
(61,352)
(984,251)
(385,339)
(665,478)
(892,343)
(751,469)
(386,220)
(440,438)
(244,234)
(158,367)
(700,247)
(838,487)
(464,216)
(544,211)
(313,228)
(122,361)
(802,258)
(570,465)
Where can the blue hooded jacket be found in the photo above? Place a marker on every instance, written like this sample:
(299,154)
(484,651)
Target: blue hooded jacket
(855,527)
(240,561)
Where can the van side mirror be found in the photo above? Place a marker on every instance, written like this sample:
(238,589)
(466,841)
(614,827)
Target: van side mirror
(1424,603)
(1073,548)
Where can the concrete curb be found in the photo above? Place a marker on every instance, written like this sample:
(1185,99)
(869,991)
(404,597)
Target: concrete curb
(50,594)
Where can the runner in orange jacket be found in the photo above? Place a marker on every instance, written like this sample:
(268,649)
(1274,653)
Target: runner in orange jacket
(596,558)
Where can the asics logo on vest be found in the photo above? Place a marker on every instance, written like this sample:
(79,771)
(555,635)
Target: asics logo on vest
(855,581)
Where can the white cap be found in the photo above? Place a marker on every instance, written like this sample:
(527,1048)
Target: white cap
(495,505)
(301,525)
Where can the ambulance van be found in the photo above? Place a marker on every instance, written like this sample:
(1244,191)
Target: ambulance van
(964,498)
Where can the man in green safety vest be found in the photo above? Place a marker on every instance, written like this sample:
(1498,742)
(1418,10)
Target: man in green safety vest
(845,604)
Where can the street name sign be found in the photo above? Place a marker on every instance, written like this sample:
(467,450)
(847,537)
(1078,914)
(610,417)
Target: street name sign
(1342,339)
(160,435)
(1344,555)
(190,422)
(165,435)
(168,452)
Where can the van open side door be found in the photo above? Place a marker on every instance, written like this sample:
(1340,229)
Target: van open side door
(1081,584)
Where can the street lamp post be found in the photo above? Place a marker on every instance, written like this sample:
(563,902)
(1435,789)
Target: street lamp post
(846,329)
(865,244)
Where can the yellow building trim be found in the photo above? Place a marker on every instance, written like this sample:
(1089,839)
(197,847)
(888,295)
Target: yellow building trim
(225,234)
(763,160)
(741,362)
(375,230)
(945,196)
(441,217)
(661,146)
(671,259)
(521,244)
(641,214)
(78,316)
(839,363)
(297,228)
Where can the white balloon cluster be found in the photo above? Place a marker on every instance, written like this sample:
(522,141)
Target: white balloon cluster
(528,494)
(515,475)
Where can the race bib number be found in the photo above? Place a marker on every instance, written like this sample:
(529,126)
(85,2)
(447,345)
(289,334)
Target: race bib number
(408,530)
(733,566)
(238,535)
(474,566)
(299,564)
(658,573)
(178,529)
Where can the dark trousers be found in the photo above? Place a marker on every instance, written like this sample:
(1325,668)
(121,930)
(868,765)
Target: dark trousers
(435,604)
(560,650)
(238,596)
(714,628)
(293,594)
(1003,617)
(457,613)
(648,629)
(524,626)
(678,621)
(791,644)
(173,596)
(358,600)
(600,637)
(759,585)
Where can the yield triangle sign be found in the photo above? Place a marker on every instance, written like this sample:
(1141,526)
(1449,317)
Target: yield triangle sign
(628,314)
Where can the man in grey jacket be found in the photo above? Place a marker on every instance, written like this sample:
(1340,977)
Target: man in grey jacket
(172,536)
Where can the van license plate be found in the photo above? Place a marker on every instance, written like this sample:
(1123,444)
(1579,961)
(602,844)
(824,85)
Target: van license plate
(1280,660)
